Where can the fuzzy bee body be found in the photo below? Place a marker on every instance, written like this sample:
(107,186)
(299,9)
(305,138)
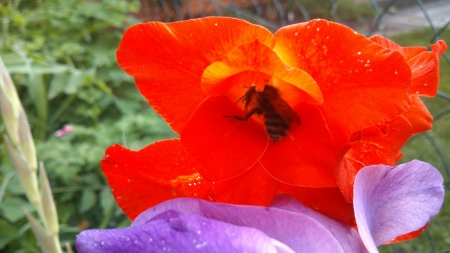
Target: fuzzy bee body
(278,115)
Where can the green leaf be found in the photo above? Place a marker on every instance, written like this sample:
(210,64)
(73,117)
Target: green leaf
(106,200)
(14,186)
(13,209)
(58,84)
(76,80)
(7,233)
(88,200)
(127,106)
(36,90)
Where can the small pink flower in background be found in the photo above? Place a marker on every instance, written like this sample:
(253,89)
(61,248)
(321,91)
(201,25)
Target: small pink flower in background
(63,131)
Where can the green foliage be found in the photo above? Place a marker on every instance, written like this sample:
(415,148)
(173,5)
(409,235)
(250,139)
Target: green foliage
(61,54)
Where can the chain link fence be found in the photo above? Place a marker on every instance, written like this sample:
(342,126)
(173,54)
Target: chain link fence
(408,22)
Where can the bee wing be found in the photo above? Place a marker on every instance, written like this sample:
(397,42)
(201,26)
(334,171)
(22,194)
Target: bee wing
(285,111)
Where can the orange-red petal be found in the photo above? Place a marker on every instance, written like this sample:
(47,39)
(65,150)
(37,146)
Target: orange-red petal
(327,201)
(381,146)
(425,70)
(253,187)
(407,52)
(356,75)
(409,236)
(223,147)
(424,65)
(142,179)
(195,186)
(263,62)
(306,156)
(167,60)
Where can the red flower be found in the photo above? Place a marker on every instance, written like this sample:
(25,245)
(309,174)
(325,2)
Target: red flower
(381,144)
(212,79)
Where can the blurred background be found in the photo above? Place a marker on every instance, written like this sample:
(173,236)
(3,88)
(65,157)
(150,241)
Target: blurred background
(61,55)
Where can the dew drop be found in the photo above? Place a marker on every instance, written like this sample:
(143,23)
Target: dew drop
(396,72)
(296,33)
(215,24)
(359,52)
(198,246)
(318,29)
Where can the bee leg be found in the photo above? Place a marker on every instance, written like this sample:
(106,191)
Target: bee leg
(258,111)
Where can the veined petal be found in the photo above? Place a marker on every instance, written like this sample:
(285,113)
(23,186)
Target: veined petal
(306,156)
(223,147)
(354,74)
(141,179)
(425,70)
(167,60)
(407,52)
(253,187)
(300,231)
(390,202)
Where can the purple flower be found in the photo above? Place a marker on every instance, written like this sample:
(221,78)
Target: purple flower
(388,202)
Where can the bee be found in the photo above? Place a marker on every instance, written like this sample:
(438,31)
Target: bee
(278,115)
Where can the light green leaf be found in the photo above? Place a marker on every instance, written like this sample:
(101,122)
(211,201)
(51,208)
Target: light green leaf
(106,200)
(58,84)
(36,90)
(88,200)
(76,80)
(13,209)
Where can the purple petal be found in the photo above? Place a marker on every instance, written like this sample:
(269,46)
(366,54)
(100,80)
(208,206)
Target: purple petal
(390,202)
(347,236)
(299,231)
(179,233)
